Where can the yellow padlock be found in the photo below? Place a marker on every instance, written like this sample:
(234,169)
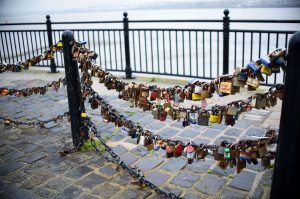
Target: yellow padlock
(196,96)
(59,44)
(265,70)
(83,115)
(214,118)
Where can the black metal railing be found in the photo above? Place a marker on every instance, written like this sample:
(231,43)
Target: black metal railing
(166,47)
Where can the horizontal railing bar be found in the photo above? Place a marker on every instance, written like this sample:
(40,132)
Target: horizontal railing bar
(166,29)
(263,21)
(85,22)
(22,24)
(177,20)
(23,30)
(263,31)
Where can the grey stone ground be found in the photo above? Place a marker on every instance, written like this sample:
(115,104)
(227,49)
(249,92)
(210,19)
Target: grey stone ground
(30,166)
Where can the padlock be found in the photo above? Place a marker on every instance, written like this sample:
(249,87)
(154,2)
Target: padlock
(205,92)
(190,153)
(254,68)
(201,152)
(265,162)
(155,113)
(178,149)
(240,165)
(196,97)
(94,104)
(276,54)
(176,100)
(154,95)
(181,96)
(197,89)
(227,153)
(203,118)
(148,143)
(271,100)
(265,61)
(261,101)
(225,87)
(275,69)
(170,149)
(232,110)
(163,116)
(265,70)
(193,117)
(131,102)
(262,149)
(254,83)
(144,92)
(188,94)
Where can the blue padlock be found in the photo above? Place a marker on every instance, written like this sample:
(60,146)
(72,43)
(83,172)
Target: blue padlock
(222,94)
(265,61)
(18,67)
(253,67)
(280,61)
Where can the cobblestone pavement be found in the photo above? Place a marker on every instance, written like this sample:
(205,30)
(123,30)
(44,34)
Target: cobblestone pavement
(31,167)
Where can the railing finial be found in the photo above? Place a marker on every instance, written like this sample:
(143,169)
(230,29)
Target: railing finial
(47,17)
(226,12)
(125,14)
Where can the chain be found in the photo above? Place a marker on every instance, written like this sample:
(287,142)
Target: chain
(115,114)
(25,92)
(8,121)
(24,65)
(133,171)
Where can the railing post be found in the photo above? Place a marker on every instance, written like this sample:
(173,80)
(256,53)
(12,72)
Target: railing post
(226,42)
(128,71)
(73,86)
(50,43)
(286,172)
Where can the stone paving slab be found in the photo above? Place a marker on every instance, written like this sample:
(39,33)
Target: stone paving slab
(31,165)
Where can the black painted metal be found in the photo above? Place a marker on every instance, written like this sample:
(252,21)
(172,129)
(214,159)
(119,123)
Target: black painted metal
(286,173)
(128,71)
(73,86)
(226,42)
(50,42)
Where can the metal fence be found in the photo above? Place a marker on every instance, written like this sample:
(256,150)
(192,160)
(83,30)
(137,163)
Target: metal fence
(165,47)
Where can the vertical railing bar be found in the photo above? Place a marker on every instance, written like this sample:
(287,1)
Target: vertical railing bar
(4,54)
(183,60)
(218,54)
(36,43)
(210,57)
(268,48)
(140,51)
(251,47)
(203,51)
(56,56)
(146,54)
(121,52)
(83,38)
(164,51)
(190,49)
(94,41)
(99,48)
(197,64)
(109,48)
(157,51)
(61,54)
(134,56)
(89,41)
(151,38)
(11,47)
(32,47)
(275,77)
(0,50)
(235,38)
(41,48)
(104,47)
(259,43)
(116,60)
(45,43)
(170,43)
(14,39)
(243,56)
(8,55)
(177,51)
